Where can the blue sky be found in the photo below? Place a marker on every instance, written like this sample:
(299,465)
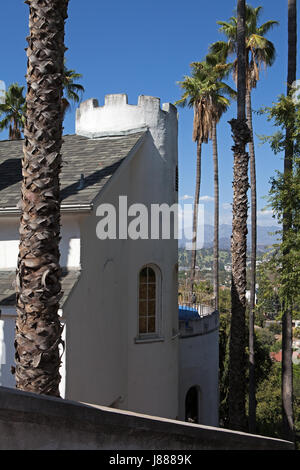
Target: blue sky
(138,47)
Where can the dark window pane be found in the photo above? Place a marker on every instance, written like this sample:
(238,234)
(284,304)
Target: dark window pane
(143,325)
(143,308)
(151,291)
(143,275)
(143,291)
(151,275)
(151,308)
(151,325)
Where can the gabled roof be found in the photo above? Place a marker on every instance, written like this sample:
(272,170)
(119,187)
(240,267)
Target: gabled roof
(7,288)
(88,164)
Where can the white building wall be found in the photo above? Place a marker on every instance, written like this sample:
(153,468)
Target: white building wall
(7,350)
(69,245)
(102,313)
(199,367)
(9,246)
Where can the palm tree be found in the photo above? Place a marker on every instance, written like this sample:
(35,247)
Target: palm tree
(202,91)
(38,329)
(194,97)
(287,331)
(259,52)
(216,71)
(13,110)
(72,90)
(241,136)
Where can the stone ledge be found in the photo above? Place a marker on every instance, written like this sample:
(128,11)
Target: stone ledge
(29,421)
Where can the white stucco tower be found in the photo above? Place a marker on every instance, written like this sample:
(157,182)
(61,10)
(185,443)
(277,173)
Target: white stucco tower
(117,118)
(136,365)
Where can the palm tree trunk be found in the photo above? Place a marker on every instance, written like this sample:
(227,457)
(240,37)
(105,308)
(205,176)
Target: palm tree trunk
(216,215)
(287,331)
(38,329)
(16,134)
(195,215)
(241,136)
(252,386)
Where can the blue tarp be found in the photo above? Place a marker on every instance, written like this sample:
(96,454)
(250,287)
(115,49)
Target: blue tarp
(187,313)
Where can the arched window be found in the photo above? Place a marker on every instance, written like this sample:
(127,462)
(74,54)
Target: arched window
(148,300)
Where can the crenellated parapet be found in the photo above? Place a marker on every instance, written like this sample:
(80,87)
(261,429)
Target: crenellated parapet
(117,117)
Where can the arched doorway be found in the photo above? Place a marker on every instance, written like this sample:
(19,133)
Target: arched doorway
(192,405)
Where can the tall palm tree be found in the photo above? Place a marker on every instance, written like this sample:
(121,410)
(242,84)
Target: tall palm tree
(220,95)
(72,90)
(259,52)
(241,136)
(13,110)
(194,97)
(203,91)
(38,329)
(287,331)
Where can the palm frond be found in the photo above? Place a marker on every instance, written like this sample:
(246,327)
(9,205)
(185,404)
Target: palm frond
(260,50)
(13,110)
(228,28)
(266,27)
(73,91)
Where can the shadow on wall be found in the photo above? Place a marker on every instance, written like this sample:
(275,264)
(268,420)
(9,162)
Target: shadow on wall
(11,172)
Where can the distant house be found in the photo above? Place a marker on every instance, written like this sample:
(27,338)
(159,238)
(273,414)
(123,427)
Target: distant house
(120,302)
(276,357)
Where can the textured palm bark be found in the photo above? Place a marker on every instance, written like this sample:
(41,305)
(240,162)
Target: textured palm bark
(216,216)
(241,136)
(195,215)
(38,328)
(237,372)
(287,330)
(252,384)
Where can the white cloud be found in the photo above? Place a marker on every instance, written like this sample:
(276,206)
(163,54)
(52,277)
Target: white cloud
(227,206)
(265,217)
(202,198)
(206,199)
(264,213)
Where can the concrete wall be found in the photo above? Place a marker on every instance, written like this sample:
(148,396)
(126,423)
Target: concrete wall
(199,366)
(113,365)
(32,422)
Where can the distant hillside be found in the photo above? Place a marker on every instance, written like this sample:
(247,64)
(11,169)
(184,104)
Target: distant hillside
(264,236)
